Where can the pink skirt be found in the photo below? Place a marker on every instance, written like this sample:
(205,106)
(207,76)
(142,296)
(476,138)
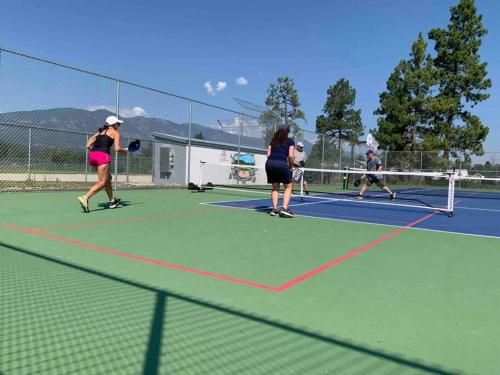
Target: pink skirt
(97,158)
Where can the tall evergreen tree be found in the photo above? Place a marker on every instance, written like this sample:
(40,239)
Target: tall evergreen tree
(340,120)
(462,81)
(404,108)
(283,98)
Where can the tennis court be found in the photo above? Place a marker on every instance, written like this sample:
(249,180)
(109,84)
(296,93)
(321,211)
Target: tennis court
(207,283)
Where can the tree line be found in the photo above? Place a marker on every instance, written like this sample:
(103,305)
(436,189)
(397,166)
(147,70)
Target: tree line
(428,102)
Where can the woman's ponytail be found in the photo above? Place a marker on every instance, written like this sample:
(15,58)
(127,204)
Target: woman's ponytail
(102,128)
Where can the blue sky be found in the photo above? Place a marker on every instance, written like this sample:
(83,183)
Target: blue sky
(180,45)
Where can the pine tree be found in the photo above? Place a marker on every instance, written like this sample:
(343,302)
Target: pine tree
(283,98)
(340,120)
(403,124)
(462,82)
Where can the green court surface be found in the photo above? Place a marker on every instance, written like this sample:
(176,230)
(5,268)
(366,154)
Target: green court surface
(166,285)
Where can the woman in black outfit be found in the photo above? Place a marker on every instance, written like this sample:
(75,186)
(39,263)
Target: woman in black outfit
(280,154)
(99,146)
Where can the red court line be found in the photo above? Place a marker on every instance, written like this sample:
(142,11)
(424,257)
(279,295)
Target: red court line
(280,288)
(351,254)
(140,259)
(128,220)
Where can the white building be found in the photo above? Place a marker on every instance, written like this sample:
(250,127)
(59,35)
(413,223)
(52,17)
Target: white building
(173,166)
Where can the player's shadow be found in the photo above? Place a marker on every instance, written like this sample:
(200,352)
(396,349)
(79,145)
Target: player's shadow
(123,204)
(262,209)
(102,321)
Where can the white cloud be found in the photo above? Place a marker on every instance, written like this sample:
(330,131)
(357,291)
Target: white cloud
(124,112)
(134,112)
(208,87)
(221,85)
(241,81)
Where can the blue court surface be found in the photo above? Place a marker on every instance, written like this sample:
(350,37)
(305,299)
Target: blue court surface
(472,215)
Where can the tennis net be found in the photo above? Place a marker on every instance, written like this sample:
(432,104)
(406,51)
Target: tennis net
(477,187)
(433,191)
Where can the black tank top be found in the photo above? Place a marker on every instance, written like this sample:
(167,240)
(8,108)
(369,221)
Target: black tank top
(103,142)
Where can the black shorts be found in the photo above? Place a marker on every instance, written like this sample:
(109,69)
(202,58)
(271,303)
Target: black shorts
(278,171)
(379,181)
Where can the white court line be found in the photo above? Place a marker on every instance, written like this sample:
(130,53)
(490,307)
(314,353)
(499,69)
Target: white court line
(359,221)
(248,191)
(352,200)
(460,233)
(394,203)
(308,203)
(476,208)
(243,200)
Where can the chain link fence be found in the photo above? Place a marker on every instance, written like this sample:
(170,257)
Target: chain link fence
(36,158)
(48,111)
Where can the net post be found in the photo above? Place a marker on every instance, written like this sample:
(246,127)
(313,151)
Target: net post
(302,185)
(345,183)
(451,194)
(340,153)
(202,163)
(322,156)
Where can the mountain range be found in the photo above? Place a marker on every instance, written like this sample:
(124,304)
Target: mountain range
(65,120)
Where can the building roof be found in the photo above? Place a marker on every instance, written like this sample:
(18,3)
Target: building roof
(174,139)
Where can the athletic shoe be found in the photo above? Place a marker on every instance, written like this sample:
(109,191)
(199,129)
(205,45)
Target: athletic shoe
(274,212)
(84,203)
(392,196)
(286,213)
(115,202)
(359,196)
(307,193)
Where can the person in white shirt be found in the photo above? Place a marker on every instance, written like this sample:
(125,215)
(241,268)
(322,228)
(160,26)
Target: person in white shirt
(299,162)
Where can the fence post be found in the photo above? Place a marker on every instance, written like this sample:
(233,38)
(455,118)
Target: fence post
(240,120)
(128,162)
(86,160)
(29,154)
(153,158)
(460,172)
(117,115)
(421,161)
(386,157)
(240,123)
(340,153)
(190,126)
(353,155)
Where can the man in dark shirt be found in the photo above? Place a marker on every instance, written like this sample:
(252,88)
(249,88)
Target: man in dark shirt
(373,164)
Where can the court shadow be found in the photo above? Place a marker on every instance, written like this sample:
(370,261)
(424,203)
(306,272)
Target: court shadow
(61,316)
(123,204)
(262,209)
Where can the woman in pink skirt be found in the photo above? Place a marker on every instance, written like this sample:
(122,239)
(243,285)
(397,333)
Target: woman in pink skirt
(100,149)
